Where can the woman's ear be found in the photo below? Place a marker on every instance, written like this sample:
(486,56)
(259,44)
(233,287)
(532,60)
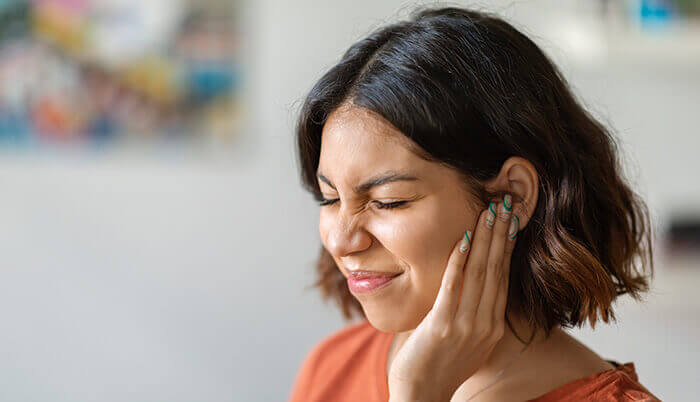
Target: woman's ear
(519,178)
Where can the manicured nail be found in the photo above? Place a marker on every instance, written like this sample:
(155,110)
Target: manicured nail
(505,208)
(491,218)
(466,240)
(513,229)
(507,202)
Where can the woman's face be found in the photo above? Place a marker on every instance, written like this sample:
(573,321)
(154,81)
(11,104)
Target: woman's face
(414,239)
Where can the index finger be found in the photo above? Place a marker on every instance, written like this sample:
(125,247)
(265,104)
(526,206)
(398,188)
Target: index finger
(450,289)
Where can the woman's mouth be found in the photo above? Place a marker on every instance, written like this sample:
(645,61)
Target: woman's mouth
(365,281)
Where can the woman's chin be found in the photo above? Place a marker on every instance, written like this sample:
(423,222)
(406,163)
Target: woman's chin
(385,323)
(391,320)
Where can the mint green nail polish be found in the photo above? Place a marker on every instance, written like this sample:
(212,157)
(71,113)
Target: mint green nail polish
(492,215)
(507,202)
(465,242)
(513,229)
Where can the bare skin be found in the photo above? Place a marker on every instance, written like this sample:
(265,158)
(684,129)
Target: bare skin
(545,365)
(417,238)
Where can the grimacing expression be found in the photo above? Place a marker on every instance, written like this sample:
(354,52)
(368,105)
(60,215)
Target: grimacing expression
(361,230)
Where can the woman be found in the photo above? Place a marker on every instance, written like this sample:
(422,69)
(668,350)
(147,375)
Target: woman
(470,210)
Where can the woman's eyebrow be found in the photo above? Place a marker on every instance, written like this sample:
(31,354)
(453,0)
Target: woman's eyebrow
(383,178)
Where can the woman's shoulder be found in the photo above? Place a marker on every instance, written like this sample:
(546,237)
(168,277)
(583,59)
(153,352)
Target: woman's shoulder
(353,348)
(620,383)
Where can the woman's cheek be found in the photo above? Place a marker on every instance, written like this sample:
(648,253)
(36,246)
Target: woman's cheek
(435,230)
(411,238)
(393,231)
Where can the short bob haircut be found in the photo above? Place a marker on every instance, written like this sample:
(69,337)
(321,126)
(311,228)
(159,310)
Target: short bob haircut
(472,91)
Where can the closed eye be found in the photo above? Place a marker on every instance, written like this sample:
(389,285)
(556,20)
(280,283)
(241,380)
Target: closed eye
(325,201)
(380,205)
(389,205)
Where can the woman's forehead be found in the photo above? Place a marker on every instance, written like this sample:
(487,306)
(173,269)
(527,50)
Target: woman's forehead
(351,127)
(360,138)
(357,147)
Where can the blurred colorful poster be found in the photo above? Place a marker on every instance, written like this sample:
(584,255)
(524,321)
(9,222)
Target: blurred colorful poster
(109,71)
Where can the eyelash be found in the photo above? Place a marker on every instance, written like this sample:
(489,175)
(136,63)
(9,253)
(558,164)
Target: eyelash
(380,205)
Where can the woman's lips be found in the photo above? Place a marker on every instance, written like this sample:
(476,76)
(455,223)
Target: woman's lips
(367,281)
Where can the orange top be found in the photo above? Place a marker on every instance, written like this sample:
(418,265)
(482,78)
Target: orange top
(350,365)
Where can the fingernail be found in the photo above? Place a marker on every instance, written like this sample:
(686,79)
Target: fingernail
(513,229)
(504,208)
(491,218)
(507,202)
(466,240)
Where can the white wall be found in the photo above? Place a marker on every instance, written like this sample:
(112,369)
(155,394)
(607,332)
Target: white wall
(178,277)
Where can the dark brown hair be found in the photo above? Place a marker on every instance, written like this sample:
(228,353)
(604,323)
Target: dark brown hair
(472,91)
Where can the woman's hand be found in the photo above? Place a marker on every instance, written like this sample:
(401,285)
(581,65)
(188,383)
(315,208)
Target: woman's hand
(468,317)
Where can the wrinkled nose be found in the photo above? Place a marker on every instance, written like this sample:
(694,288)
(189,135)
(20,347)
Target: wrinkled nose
(346,235)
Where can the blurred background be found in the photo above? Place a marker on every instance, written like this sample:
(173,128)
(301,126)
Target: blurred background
(94,71)
(155,243)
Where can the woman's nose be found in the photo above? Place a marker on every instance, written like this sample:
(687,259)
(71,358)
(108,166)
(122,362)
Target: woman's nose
(347,236)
